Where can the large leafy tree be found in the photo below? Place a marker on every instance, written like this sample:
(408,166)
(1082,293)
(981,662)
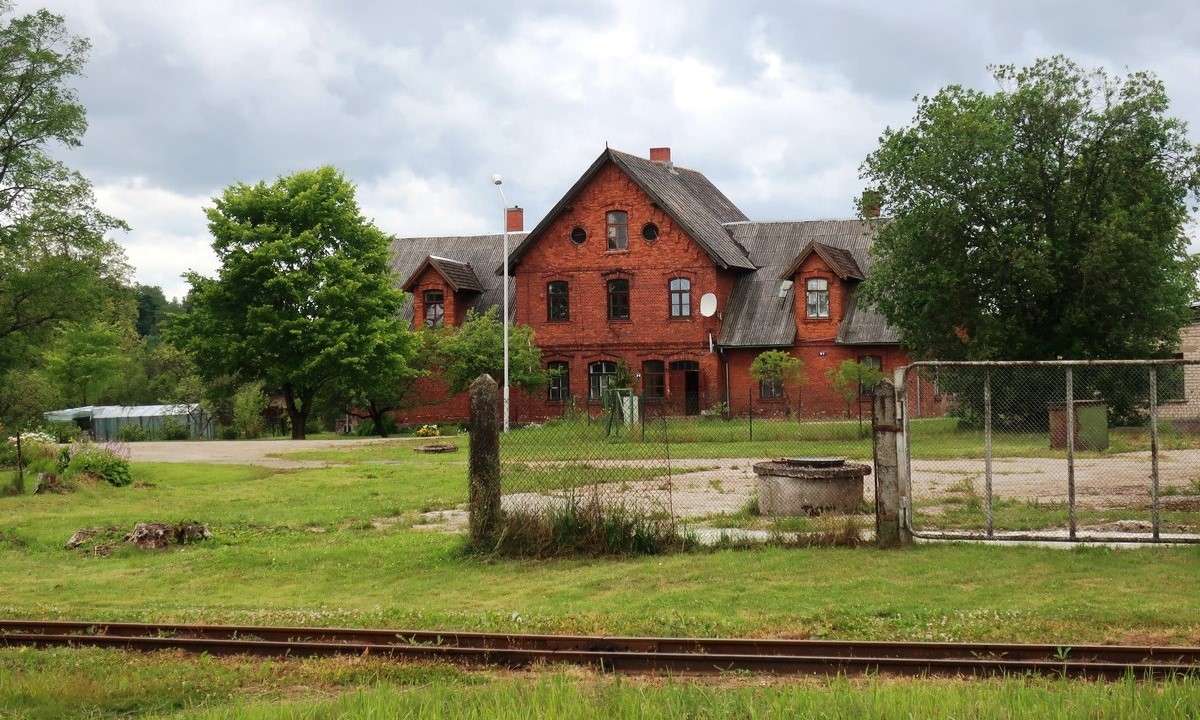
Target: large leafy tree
(54,251)
(1041,220)
(304,298)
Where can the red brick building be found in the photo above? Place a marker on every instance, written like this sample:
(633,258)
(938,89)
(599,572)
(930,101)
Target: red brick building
(648,263)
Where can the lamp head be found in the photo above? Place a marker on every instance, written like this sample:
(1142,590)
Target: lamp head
(497,179)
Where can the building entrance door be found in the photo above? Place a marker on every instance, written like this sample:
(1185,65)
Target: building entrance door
(690,370)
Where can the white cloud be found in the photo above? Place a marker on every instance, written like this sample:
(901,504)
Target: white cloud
(168,232)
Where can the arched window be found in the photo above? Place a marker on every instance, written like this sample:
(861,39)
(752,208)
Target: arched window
(618,230)
(559,374)
(654,380)
(558,302)
(681,297)
(600,378)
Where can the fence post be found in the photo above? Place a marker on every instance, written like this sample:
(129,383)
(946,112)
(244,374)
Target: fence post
(750,413)
(890,530)
(20,486)
(483,463)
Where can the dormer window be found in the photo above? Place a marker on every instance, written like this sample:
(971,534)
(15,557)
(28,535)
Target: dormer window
(618,230)
(817,301)
(435,309)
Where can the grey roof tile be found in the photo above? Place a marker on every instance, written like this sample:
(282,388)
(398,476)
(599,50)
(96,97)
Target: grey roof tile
(757,317)
(460,275)
(476,251)
(688,197)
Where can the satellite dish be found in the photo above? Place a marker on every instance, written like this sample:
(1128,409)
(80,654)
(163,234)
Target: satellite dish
(708,305)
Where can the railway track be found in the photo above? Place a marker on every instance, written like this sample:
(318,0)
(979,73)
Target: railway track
(622,654)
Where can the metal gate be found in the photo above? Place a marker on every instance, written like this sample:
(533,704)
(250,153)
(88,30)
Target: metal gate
(1070,451)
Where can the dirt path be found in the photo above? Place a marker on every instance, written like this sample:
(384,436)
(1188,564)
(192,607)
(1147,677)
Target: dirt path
(727,487)
(243,452)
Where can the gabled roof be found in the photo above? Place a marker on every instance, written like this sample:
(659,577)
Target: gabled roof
(478,251)
(757,317)
(458,275)
(686,196)
(838,259)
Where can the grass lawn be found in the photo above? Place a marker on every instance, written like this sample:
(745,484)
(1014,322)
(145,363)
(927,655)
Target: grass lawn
(97,683)
(337,546)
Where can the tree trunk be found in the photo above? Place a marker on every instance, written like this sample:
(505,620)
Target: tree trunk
(377,418)
(297,412)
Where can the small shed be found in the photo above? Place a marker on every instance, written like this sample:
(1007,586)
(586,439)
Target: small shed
(104,422)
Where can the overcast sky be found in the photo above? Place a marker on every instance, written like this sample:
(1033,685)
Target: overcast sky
(421,102)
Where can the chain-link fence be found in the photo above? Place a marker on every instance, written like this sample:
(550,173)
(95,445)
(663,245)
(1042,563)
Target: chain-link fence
(685,460)
(1065,450)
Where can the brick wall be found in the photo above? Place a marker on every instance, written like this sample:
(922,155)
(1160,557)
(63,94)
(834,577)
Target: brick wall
(813,398)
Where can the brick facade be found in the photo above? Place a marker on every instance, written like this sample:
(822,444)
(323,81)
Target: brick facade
(650,333)
(571,247)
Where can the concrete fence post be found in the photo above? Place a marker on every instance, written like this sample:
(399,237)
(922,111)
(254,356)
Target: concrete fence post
(483,464)
(890,531)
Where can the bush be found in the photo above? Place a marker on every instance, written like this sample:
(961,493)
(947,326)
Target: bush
(366,428)
(589,529)
(248,406)
(108,462)
(172,429)
(429,431)
(230,433)
(133,433)
(35,447)
(64,432)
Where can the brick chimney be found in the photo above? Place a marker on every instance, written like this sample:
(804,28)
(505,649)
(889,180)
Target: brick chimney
(868,205)
(515,220)
(660,154)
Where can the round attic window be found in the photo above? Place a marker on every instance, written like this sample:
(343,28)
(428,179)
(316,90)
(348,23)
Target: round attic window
(650,232)
(578,235)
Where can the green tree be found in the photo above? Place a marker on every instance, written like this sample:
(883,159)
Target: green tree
(477,347)
(87,361)
(1042,220)
(852,380)
(54,249)
(386,378)
(777,367)
(304,298)
(153,307)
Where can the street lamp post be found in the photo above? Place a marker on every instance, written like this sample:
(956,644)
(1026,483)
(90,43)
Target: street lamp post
(504,284)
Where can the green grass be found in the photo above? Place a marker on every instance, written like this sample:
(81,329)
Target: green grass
(99,683)
(1009,514)
(336,546)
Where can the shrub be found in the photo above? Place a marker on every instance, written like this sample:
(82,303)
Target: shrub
(428,431)
(230,433)
(248,406)
(366,428)
(64,432)
(35,446)
(588,528)
(133,433)
(108,462)
(172,429)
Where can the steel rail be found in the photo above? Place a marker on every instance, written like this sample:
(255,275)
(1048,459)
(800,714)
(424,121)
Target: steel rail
(622,654)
